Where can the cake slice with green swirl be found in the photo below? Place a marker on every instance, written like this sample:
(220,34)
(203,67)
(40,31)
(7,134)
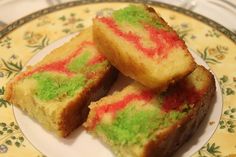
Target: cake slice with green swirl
(56,91)
(138,42)
(136,122)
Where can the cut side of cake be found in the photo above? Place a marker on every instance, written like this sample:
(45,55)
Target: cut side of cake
(136,122)
(140,44)
(56,91)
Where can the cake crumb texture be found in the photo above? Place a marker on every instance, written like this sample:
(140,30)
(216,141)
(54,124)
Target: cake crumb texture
(140,44)
(56,91)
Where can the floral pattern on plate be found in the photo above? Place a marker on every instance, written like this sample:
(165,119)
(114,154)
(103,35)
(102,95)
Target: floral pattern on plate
(23,39)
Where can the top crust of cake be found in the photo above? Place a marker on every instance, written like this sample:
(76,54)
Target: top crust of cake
(142,46)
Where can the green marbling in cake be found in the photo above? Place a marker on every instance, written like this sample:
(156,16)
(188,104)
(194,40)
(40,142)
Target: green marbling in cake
(135,124)
(135,15)
(51,86)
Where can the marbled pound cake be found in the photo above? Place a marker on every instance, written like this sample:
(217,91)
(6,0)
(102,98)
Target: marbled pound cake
(136,122)
(57,91)
(142,46)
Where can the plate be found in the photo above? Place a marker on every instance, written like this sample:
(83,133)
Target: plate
(80,141)
(27,40)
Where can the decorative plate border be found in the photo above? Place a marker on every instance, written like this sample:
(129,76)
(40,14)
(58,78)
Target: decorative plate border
(230,35)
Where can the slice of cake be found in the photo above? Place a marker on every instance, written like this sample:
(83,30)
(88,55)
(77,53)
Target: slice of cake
(138,123)
(142,46)
(57,91)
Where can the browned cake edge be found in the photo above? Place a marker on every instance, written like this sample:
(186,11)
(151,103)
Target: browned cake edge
(77,110)
(8,93)
(170,140)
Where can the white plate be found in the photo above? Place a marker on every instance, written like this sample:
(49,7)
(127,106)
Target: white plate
(81,144)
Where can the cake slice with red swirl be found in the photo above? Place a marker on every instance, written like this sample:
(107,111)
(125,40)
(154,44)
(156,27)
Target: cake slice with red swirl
(138,42)
(56,91)
(137,122)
